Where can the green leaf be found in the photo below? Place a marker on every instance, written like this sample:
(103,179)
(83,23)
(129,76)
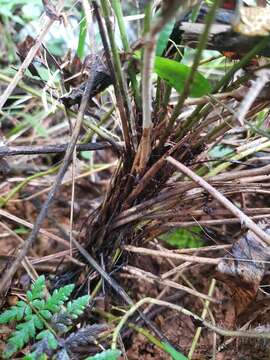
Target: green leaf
(184,238)
(82,37)
(164,37)
(38,304)
(21,230)
(39,324)
(37,289)
(176,355)
(29,295)
(46,314)
(20,338)
(31,11)
(35,356)
(106,355)
(27,328)
(28,313)
(58,297)
(22,309)
(30,357)
(175,74)
(87,155)
(15,313)
(9,351)
(35,121)
(220,151)
(76,307)
(8,315)
(48,335)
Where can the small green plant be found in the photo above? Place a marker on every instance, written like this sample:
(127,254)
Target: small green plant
(41,317)
(184,238)
(106,355)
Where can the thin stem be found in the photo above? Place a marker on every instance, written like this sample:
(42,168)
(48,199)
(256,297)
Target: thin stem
(16,189)
(147,81)
(88,137)
(116,5)
(45,208)
(196,62)
(197,114)
(204,313)
(38,94)
(244,219)
(152,339)
(219,331)
(27,61)
(49,149)
(122,94)
(120,291)
(239,156)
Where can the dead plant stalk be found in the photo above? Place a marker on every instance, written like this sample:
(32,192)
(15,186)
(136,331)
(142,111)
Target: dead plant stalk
(219,331)
(244,220)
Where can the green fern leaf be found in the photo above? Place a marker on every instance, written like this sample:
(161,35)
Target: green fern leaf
(76,307)
(58,297)
(20,337)
(38,304)
(46,314)
(106,355)
(51,339)
(9,315)
(15,313)
(22,309)
(28,313)
(27,329)
(15,343)
(29,357)
(29,295)
(9,351)
(39,324)
(37,289)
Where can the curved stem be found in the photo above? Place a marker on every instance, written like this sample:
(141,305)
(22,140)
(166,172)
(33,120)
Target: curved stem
(202,322)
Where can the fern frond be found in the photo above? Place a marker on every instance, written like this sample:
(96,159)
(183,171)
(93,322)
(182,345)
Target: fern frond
(27,330)
(15,313)
(46,314)
(20,337)
(38,304)
(50,338)
(32,318)
(58,297)
(106,355)
(83,337)
(76,307)
(37,289)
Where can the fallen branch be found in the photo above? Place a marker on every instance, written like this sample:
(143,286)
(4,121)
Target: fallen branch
(49,149)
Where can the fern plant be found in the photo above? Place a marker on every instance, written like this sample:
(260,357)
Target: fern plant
(43,318)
